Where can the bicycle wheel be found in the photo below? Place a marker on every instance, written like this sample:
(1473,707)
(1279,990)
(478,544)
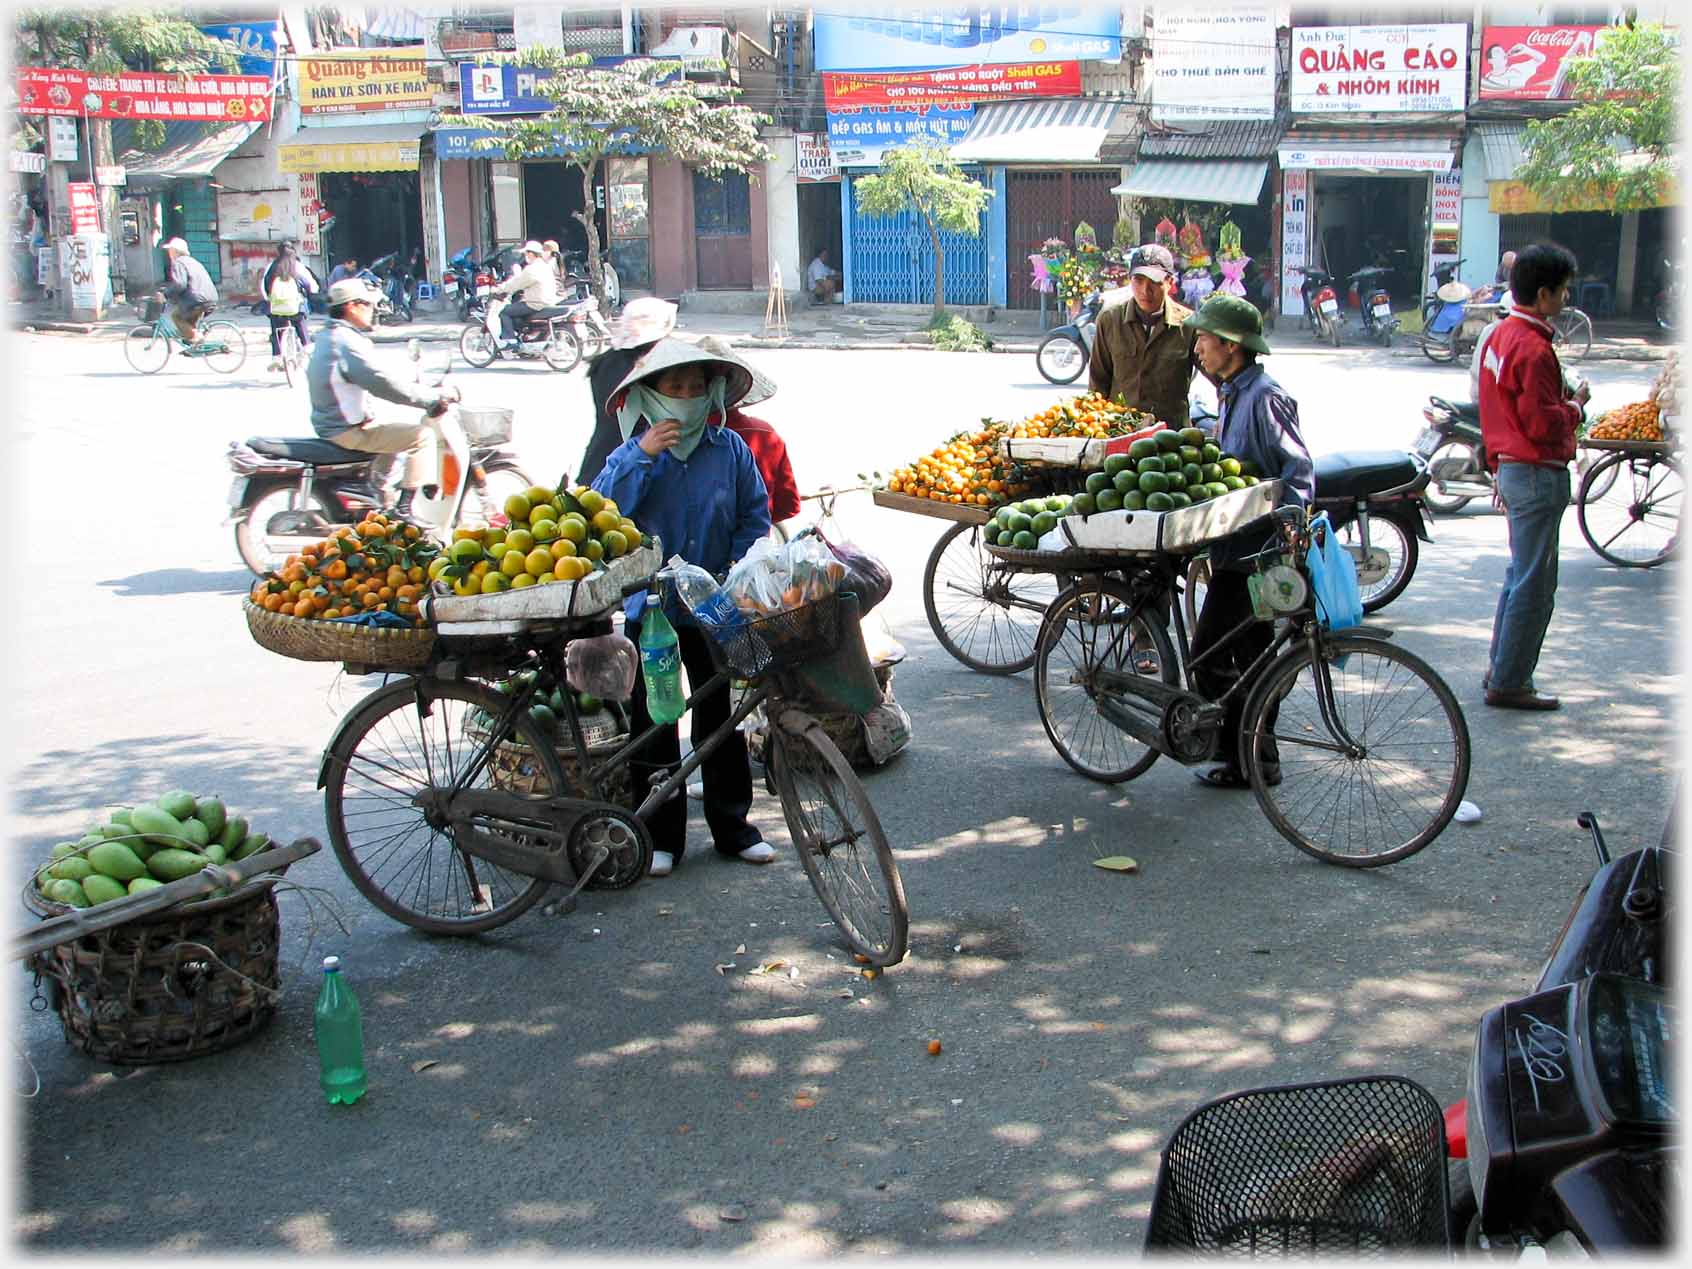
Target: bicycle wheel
(1629,508)
(1571,334)
(839,839)
(1084,631)
(563,351)
(146,350)
(291,356)
(1439,348)
(1584,464)
(1386,798)
(404,740)
(476,346)
(225,348)
(1391,563)
(1193,593)
(984,614)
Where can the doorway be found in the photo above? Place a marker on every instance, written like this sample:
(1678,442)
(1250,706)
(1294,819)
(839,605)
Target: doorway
(1373,220)
(722,227)
(375,213)
(552,200)
(819,225)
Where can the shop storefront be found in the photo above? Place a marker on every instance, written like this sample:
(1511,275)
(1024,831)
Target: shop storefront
(370,187)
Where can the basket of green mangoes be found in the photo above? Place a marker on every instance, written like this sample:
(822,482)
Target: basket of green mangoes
(193,978)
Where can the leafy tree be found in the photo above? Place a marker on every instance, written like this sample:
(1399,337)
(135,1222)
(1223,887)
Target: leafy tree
(926,179)
(1629,88)
(601,111)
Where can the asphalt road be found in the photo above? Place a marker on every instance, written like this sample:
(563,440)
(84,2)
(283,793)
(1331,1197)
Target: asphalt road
(592,1083)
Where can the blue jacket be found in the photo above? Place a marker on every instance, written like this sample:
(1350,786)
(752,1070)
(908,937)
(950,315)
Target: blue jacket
(1259,423)
(708,510)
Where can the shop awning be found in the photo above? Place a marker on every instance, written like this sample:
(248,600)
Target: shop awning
(377,147)
(1514,198)
(189,150)
(1383,156)
(1066,130)
(1502,148)
(1213,181)
(460,143)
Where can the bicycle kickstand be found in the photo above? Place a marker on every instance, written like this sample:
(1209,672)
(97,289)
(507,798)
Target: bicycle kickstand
(566,905)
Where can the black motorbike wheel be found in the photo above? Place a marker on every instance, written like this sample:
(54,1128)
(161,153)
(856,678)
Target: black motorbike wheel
(477,347)
(276,526)
(1452,457)
(1439,348)
(1060,358)
(1383,580)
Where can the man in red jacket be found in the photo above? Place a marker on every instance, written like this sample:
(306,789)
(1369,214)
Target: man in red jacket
(1528,423)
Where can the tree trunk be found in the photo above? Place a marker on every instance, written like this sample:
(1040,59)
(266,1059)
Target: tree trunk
(939,269)
(596,276)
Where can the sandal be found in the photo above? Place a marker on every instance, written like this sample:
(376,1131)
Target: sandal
(1223,777)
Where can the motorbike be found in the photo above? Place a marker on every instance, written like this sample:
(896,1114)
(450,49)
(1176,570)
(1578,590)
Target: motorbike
(1457,325)
(1321,304)
(476,279)
(1442,275)
(576,274)
(290,491)
(1374,303)
(1374,501)
(1063,354)
(397,283)
(548,334)
(1567,1135)
(1455,454)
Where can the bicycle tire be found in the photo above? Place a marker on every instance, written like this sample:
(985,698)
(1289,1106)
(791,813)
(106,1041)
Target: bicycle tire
(1646,495)
(146,350)
(454,912)
(1068,658)
(290,353)
(984,615)
(1571,334)
(1060,344)
(1402,548)
(828,815)
(1354,660)
(232,355)
(477,347)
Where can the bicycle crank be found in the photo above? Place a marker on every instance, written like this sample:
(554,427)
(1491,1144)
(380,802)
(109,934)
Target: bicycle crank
(528,836)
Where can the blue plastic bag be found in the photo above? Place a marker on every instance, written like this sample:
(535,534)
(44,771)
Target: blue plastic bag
(1333,573)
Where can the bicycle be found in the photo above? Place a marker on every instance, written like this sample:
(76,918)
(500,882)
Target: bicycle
(292,354)
(147,346)
(1571,334)
(1371,745)
(1639,527)
(453,811)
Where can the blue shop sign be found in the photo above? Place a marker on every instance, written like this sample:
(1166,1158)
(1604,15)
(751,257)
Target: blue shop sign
(857,137)
(256,40)
(460,143)
(504,89)
(899,37)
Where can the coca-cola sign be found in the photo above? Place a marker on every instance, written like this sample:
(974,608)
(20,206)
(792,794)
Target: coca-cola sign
(1529,63)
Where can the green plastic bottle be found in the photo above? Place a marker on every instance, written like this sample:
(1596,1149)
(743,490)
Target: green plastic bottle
(340,1037)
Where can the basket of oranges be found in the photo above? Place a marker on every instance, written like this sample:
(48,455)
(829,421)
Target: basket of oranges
(351,597)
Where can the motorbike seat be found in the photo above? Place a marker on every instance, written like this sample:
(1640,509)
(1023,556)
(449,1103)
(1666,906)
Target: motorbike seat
(542,314)
(1467,411)
(300,449)
(1361,473)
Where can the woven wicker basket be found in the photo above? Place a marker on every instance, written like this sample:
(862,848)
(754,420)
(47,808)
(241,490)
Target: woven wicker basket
(513,768)
(150,990)
(305,639)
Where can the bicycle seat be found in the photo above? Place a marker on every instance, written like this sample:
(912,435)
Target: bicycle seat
(1358,473)
(318,453)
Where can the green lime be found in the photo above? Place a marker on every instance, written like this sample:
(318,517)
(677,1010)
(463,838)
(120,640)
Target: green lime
(1211,451)
(1044,523)
(1230,466)
(1235,482)
(1191,454)
(1212,471)
(1218,488)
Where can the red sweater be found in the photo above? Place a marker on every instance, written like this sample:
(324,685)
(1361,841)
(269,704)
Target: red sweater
(1525,414)
(769,452)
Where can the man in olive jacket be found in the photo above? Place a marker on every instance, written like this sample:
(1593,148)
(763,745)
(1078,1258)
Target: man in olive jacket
(1141,351)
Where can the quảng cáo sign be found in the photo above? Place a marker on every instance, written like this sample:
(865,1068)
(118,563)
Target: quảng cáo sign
(355,80)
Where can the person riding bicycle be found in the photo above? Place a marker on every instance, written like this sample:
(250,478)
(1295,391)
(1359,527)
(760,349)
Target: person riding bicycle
(189,288)
(681,474)
(537,285)
(285,285)
(342,376)
(1259,423)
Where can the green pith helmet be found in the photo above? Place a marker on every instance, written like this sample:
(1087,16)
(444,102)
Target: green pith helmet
(1231,317)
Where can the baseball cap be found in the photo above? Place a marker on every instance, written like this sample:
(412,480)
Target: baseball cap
(351,290)
(176,244)
(1152,261)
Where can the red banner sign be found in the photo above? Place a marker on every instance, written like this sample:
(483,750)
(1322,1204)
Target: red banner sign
(84,207)
(952,85)
(144,95)
(1525,63)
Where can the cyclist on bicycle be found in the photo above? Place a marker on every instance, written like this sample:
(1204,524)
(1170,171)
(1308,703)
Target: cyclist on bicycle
(1259,423)
(190,289)
(342,376)
(284,286)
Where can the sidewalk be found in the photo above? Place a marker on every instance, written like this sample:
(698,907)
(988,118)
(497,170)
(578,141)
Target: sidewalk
(837,327)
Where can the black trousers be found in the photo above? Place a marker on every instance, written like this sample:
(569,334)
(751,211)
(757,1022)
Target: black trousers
(513,313)
(1227,602)
(279,324)
(727,773)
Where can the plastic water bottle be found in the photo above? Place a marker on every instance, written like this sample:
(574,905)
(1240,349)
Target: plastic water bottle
(340,1037)
(660,664)
(706,600)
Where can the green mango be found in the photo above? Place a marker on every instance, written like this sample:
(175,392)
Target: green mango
(71,868)
(251,846)
(143,884)
(178,803)
(117,861)
(172,864)
(195,831)
(212,813)
(234,833)
(101,889)
(62,891)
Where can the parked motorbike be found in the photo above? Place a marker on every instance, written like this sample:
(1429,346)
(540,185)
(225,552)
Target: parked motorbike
(395,279)
(547,334)
(1451,445)
(1568,1132)
(1064,353)
(1374,303)
(576,274)
(1321,304)
(289,492)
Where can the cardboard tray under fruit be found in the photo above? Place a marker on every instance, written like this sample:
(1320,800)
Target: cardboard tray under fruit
(955,511)
(1086,453)
(1178,532)
(593,596)
(1631,447)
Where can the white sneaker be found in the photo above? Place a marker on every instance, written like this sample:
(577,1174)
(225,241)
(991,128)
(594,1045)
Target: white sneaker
(274,366)
(759,853)
(663,864)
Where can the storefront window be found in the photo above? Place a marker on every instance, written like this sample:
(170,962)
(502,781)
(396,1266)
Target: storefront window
(722,206)
(629,219)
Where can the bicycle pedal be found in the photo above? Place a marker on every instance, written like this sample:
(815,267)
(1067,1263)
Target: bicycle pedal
(561,907)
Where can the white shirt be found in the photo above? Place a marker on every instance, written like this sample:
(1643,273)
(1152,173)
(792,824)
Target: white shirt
(818,271)
(536,283)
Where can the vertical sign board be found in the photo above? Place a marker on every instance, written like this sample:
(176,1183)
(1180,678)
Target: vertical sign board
(311,235)
(815,162)
(1295,227)
(61,139)
(84,207)
(1446,220)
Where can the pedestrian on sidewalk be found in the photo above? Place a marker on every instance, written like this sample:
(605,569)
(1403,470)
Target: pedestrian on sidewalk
(641,324)
(1141,351)
(1528,422)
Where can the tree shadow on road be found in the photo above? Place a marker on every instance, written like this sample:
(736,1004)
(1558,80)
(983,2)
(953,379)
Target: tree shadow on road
(181,581)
